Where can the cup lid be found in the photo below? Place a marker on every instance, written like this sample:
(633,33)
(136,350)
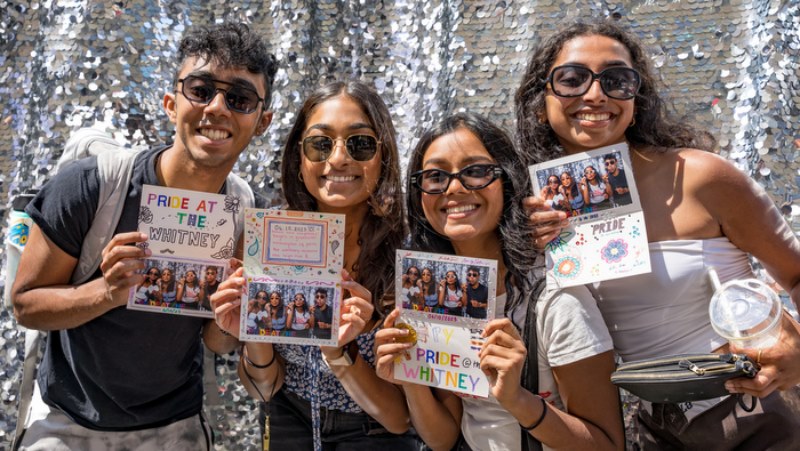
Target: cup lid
(744,308)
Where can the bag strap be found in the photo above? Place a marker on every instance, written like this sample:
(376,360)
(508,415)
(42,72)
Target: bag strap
(530,371)
(114,169)
(33,341)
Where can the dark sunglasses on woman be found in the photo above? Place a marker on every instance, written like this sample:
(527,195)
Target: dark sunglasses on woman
(571,80)
(360,147)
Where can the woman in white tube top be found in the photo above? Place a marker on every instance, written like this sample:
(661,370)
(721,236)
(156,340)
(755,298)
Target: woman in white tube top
(700,211)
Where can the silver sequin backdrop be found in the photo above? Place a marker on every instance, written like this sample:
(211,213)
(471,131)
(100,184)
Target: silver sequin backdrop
(730,66)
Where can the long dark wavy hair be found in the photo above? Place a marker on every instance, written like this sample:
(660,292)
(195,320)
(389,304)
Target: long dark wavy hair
(524,277)
(656,125)
(383,229)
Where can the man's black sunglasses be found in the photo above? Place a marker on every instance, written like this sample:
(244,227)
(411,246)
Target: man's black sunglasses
(202,90)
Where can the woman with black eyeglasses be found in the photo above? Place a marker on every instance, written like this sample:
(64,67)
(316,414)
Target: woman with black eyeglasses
(700,211)
(464,198)
(340,157)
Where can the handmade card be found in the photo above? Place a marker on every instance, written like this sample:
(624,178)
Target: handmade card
(607,238)
(191,236)
(446,301)
(292,263)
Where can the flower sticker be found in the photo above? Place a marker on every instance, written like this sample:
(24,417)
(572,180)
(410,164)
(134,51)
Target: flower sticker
(614,251)
(568,267)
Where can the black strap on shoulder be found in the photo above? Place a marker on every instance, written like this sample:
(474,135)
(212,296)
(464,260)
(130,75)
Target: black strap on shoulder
(530,372)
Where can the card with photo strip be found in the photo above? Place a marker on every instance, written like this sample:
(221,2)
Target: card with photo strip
(607,237)
(445,302)
(191,236)
(292,266)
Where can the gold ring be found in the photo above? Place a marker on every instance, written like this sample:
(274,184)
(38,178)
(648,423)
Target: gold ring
(758,357)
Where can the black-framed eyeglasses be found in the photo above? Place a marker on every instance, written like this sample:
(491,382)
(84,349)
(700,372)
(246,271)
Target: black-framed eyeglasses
(472,177)
(321,296)
(319,148)
(571,80)
(609,163)
(154,273)
(202,90)
(413,273)
(261,297)
(472,274)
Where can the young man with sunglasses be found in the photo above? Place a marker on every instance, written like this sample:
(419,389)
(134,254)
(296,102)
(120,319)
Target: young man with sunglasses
(616,178)
(322,315)
(477,294)
(210,284)
(95,385)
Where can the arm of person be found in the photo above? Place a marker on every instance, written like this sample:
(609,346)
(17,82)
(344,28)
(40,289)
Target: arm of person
(748,217)
(435,414)
(261,370)
(608,190)
(585,192)
(42,297)
(179,292)
(592,419)
(217,340)
(380,399)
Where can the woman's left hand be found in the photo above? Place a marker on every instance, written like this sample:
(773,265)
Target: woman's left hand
(502,357)
(780,364)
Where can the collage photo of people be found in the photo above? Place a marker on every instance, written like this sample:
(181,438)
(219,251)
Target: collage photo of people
(289,310)
(585,186)
(180,285)
(445,288)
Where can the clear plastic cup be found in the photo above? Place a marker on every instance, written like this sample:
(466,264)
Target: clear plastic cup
(746,312)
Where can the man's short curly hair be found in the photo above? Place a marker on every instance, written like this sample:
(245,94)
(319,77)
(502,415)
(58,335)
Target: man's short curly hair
(231,45)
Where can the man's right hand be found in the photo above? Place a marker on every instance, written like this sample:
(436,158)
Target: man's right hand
(121,259)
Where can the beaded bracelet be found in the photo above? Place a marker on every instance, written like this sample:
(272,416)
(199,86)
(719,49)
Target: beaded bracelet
(541,418)
(253,364)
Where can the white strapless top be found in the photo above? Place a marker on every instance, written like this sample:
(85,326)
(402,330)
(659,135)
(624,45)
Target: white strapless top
(666,311)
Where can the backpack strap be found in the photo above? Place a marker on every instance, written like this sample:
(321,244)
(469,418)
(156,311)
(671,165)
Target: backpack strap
(115,169)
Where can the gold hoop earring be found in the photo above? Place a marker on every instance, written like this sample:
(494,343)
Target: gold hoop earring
(300,176)
(633,122)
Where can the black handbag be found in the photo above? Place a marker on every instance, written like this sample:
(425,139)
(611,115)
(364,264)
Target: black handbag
(682,378)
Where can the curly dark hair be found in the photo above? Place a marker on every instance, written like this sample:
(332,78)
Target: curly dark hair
(231,45)
(656,124)
(383,229)
(524,277)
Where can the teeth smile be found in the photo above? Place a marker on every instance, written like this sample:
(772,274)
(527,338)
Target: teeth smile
(213,134)
(340,178)
(461,209)
(593,116)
